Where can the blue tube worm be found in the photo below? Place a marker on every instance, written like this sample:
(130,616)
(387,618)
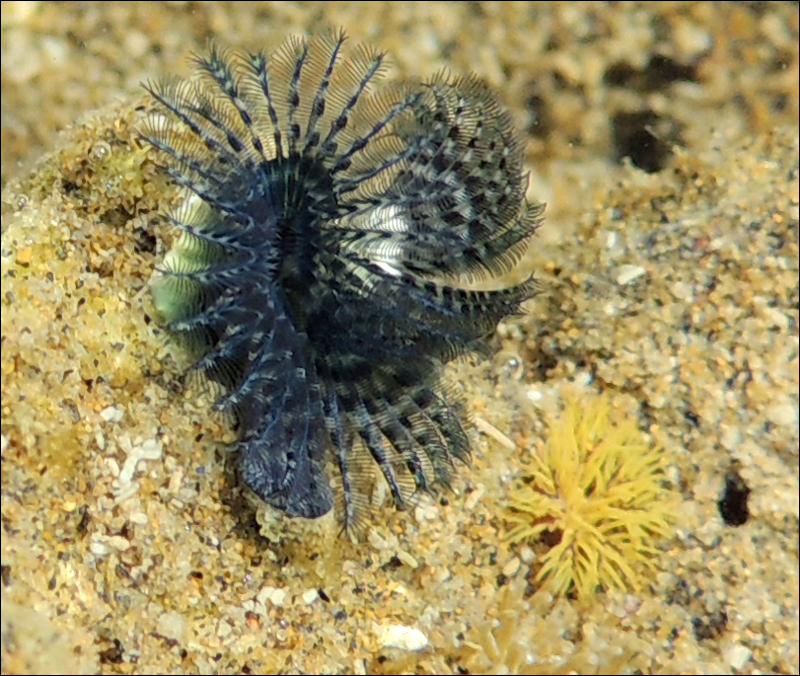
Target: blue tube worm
(328,249)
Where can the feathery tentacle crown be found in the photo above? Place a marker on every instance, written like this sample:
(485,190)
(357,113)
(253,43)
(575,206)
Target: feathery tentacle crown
(328,237)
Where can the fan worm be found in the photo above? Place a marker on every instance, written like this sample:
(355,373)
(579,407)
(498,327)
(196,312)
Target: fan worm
(329,246)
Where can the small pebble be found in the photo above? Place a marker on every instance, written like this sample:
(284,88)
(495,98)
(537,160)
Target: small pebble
(171,625)
(98,549)
(627,273)
(738,655)
(783,414)
(407,559)
(402,637)
(512,567)
(112,414)
(119,543)
(272,594)
(138,518)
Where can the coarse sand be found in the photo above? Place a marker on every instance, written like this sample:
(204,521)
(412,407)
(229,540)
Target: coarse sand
(664,138)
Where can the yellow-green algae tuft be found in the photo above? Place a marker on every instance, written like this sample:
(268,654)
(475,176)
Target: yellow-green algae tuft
(601,486)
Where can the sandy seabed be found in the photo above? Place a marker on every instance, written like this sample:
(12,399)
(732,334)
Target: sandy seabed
(669,282)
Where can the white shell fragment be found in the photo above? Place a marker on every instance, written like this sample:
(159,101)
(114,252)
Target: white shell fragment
(401,637)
